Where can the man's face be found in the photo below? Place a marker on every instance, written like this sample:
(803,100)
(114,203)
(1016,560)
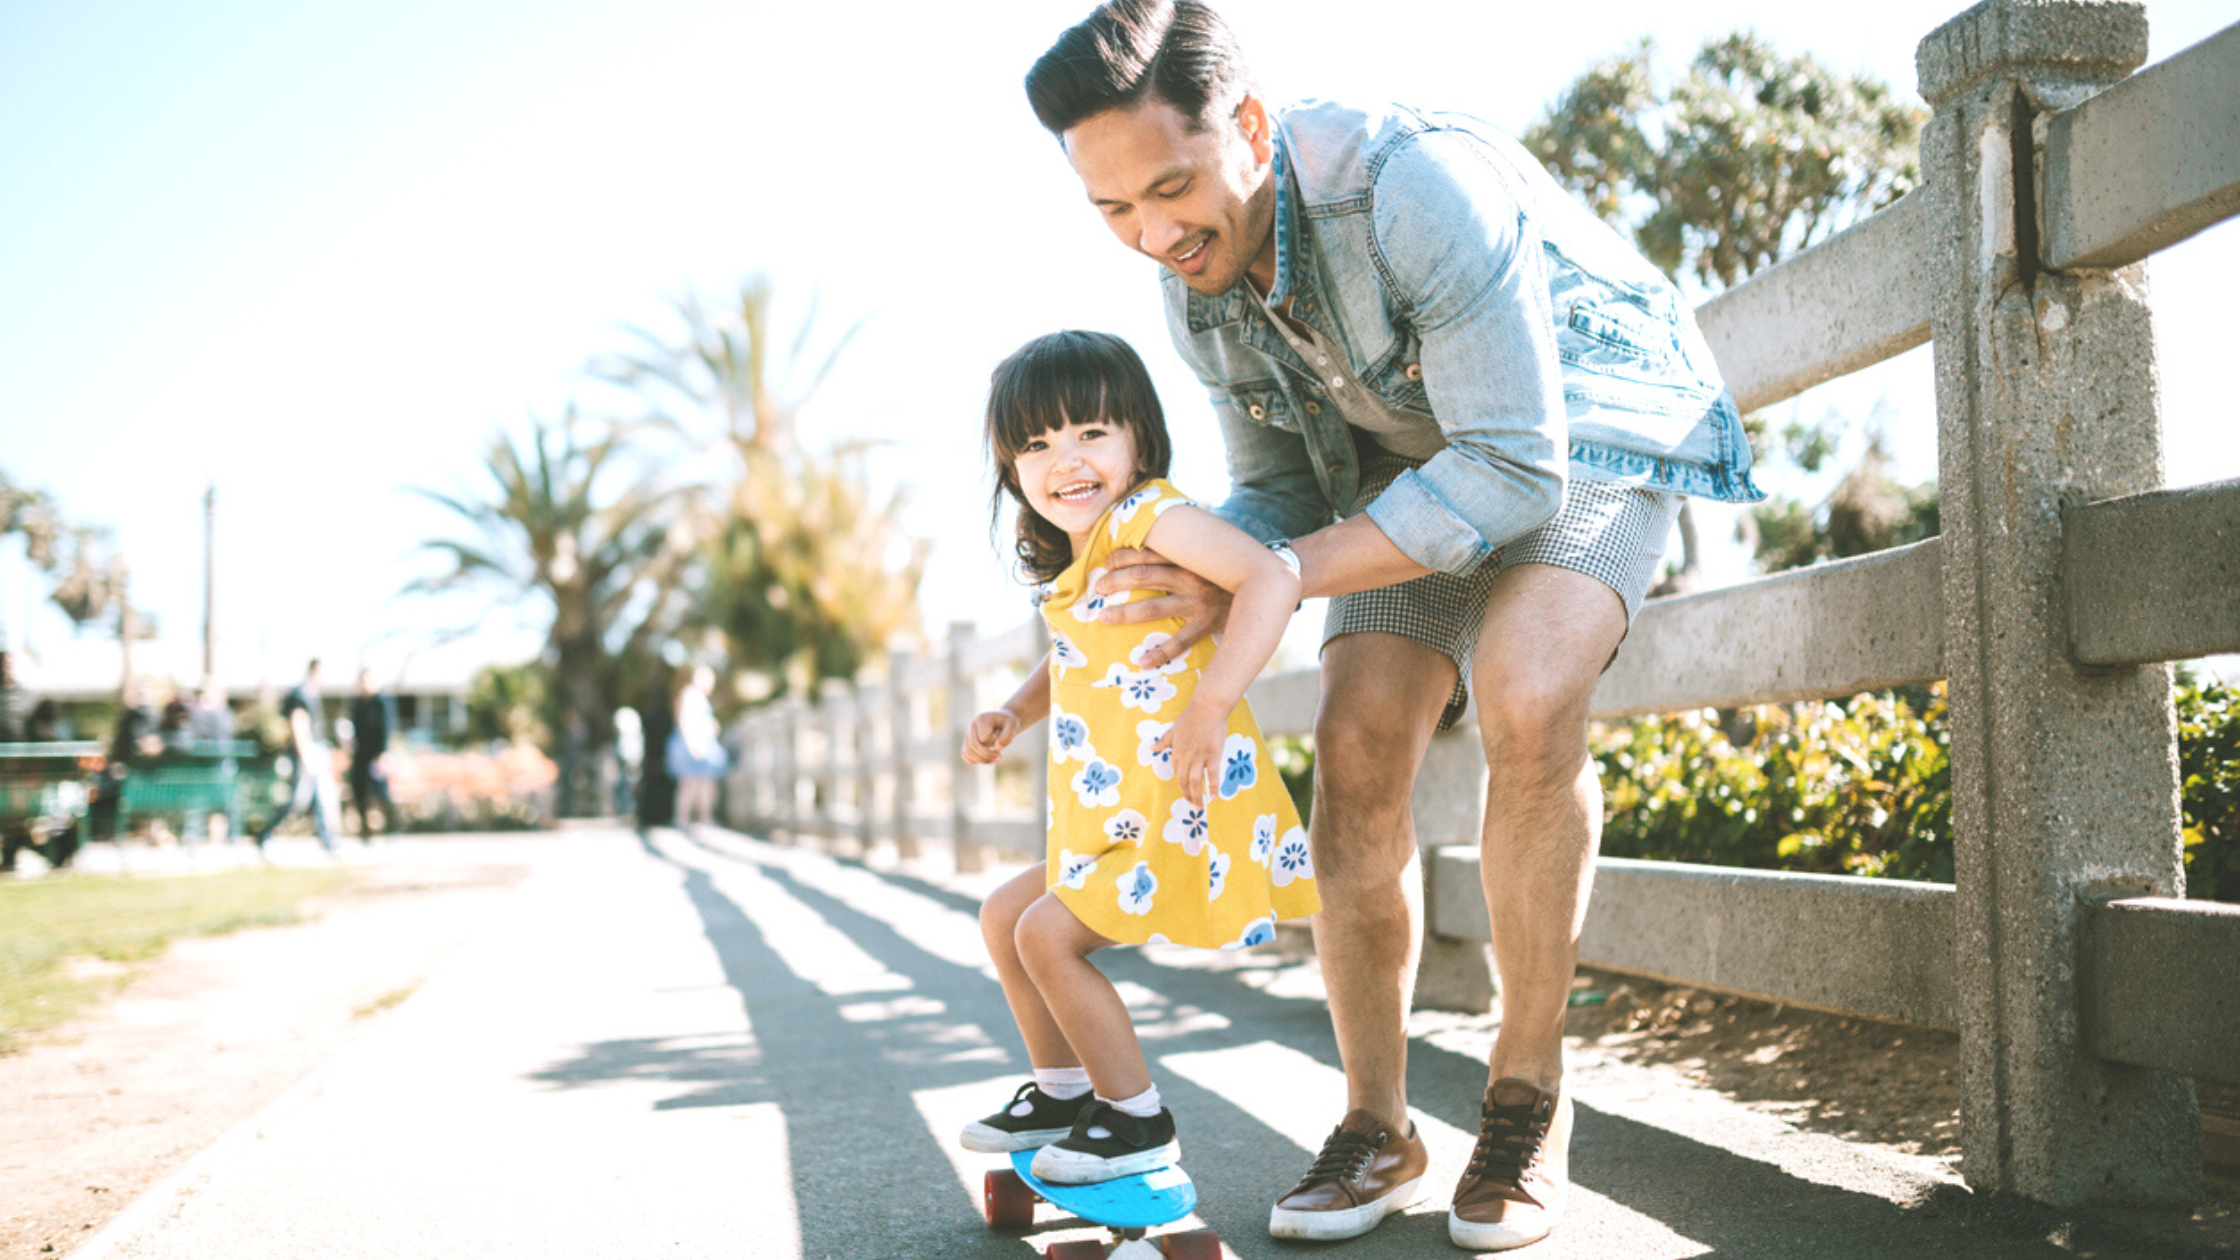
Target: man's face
(1199,202)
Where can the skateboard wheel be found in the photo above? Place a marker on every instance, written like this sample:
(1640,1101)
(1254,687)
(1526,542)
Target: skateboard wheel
(1194,1244)
(1076,1249)
(1007,1201)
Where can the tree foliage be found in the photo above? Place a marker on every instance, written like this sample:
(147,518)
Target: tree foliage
(1747,159)
(90,577)
(805,570)
(562,522)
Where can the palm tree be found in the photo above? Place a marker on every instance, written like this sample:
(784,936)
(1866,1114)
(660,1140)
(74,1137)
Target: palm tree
(803,569)
(604,563)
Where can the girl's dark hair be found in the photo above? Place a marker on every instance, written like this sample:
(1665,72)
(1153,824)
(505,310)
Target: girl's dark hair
(1066,378)
(1179,51)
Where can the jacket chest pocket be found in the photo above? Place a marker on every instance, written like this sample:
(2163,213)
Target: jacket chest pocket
(1399,381)
(1263,403)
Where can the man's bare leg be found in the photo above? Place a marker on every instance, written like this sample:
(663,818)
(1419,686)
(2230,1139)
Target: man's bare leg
(1547,635)
(1381,700)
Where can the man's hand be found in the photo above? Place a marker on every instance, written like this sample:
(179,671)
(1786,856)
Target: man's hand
(989,734)
(1202,606)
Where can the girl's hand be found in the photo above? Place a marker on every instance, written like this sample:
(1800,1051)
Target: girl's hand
(989,734)
(1195,740)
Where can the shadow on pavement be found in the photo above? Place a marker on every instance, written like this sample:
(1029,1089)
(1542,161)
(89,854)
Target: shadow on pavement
(870,1179)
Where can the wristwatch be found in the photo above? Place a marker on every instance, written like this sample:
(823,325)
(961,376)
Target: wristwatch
(1282,548)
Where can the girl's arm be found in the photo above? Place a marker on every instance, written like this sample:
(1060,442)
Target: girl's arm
(993,731)
(1265,593)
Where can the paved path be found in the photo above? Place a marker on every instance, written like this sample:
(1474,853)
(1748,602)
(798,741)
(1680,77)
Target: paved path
(675,1047)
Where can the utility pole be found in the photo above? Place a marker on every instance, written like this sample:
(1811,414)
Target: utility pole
(209,583)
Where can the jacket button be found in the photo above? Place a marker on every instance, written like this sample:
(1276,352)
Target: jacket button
(1259,412)
(1415,372)
(1314,408)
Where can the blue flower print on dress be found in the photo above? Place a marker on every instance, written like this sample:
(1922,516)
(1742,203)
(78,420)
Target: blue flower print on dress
(1150,641)
(1097,784)
(1263,839)
(1126,827)
(1240,765)
(1258,932)
(1136,888)
(1292,859)
(1148,732)
(1090,604)
(1125,510)
(1217,875)
(1145,690)
(1069,736)
(1066,654)
(1186,826)
(1074,868)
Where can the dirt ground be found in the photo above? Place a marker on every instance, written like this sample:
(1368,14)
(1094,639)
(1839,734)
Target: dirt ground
(101,1108)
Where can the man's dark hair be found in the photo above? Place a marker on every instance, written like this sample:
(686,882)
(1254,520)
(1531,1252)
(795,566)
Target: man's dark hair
(1179,51)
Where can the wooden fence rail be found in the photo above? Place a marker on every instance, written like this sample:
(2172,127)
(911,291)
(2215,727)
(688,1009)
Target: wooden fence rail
(2085,991)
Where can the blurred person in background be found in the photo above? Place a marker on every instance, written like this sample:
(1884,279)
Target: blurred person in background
(313,788)
(696,758)
(372,717)
(630,753)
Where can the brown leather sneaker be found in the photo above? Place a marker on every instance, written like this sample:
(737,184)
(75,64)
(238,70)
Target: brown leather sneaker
(1365,1172)
(1520,1170)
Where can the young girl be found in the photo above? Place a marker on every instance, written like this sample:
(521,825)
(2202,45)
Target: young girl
(1167,821)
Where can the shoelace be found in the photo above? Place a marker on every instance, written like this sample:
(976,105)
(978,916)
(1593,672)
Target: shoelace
(1344,1154)
(1509,1140)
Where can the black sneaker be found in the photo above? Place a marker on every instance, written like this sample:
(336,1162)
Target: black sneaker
(1032,1119)
(1107,1142)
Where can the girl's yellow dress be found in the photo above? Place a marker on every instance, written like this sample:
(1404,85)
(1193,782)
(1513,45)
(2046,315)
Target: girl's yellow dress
(1127,854)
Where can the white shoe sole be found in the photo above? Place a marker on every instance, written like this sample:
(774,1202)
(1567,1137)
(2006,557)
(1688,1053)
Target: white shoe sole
(989,1140)
(1479,1236)
(1349,1222)
(1061,1167)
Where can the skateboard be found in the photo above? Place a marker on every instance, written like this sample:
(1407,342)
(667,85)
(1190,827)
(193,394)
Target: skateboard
(1128,1208)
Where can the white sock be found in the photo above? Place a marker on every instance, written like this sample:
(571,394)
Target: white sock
(1062,1083)
(1143,1106)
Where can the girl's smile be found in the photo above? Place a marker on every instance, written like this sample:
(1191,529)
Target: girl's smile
(1071,475)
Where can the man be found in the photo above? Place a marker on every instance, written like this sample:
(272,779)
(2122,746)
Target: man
(371,719)
(1471,408)
(313,785)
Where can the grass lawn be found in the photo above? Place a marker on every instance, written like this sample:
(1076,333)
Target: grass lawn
(47,924)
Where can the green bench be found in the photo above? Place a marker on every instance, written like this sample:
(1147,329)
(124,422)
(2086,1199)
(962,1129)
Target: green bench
(49,787)
(187,784)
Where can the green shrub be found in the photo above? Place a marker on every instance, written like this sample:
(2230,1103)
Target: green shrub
(2209,786)
(1856,787)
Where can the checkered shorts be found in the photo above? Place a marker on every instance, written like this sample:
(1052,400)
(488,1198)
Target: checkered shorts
(1613,533)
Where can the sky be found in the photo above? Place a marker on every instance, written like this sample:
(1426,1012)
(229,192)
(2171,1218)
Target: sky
(316,254)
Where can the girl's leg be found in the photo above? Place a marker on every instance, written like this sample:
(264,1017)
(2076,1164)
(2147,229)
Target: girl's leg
(999,925)
(1055,947)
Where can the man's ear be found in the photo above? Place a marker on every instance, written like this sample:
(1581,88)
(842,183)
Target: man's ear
(1258,128)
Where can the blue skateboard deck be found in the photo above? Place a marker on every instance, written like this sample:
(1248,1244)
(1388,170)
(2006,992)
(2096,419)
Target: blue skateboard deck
(1139,1202)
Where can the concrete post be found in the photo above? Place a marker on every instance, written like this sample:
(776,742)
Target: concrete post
(1449,805)
(964,780)
(865,705)
(832,778)
(2064,778)
(903,725)
(788,802)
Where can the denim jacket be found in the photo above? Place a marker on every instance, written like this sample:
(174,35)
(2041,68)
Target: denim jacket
(1466,286)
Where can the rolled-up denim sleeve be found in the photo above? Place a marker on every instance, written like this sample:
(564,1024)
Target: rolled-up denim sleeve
(1465,265)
